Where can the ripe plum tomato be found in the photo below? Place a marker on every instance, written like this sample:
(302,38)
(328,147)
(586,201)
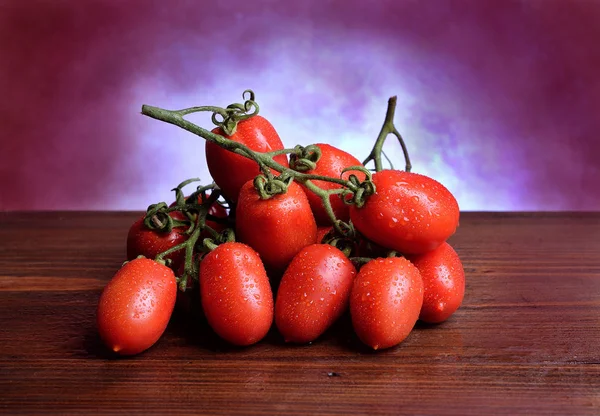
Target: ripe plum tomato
(331,164)
(136,305)
(235,294)
(443,281)
(142,241)
(409,213)
(385,301)
(313,292)
(231,171)
(278,227)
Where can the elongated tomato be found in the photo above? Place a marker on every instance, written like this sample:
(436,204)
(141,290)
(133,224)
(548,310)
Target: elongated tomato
(410,213)
(385,302)
(235,294)
(136,305)
(313,292)
(444,283)
(229,170)
(277,228)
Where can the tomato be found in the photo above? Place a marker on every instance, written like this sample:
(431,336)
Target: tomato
(136,305)
(142,241)
(409,213)
(331,164)
(385,301)
(277,228)
(322,232)
(313,292)
(235,294)
(229,170)
(443,281)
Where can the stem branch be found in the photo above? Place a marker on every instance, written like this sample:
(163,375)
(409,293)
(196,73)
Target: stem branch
(387,129)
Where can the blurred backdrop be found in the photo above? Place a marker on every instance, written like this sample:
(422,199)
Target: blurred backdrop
(497,99)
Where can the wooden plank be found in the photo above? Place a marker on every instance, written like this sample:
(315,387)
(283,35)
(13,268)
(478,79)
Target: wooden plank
(526,340)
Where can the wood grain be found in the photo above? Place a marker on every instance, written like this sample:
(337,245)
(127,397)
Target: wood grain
(526,340)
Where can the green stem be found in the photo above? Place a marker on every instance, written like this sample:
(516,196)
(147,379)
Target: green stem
(324,195)
(387,129)
(263,159)
(279,152)
(221,111)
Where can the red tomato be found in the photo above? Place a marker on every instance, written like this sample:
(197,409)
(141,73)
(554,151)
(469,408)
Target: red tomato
(136,305)
(313,292)
(142,241)
(385,302)
(277,228)
(409,213)
(235,294)
(331,164)
(444,283)
(322,232)
(231,171)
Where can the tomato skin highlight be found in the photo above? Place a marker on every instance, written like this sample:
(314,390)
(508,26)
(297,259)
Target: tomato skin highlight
(277,228)
(385,301)
(231,171)
(409,213)
(331,164)
(136,305)
(142,241)
(444,283)
(313,292)
(235,294)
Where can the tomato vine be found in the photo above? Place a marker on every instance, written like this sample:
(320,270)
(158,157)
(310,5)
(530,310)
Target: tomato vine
(302,160)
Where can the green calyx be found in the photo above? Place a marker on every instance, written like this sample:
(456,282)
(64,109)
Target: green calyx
(269,187)
(231,115)
(304,159)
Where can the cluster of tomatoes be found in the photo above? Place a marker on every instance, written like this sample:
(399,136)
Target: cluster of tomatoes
(288,265)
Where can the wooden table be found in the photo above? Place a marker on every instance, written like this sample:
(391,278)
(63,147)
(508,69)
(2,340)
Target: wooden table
(527,338)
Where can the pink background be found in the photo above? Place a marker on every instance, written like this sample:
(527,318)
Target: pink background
(497,99)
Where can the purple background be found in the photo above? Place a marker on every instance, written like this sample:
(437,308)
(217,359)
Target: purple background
(498,100)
